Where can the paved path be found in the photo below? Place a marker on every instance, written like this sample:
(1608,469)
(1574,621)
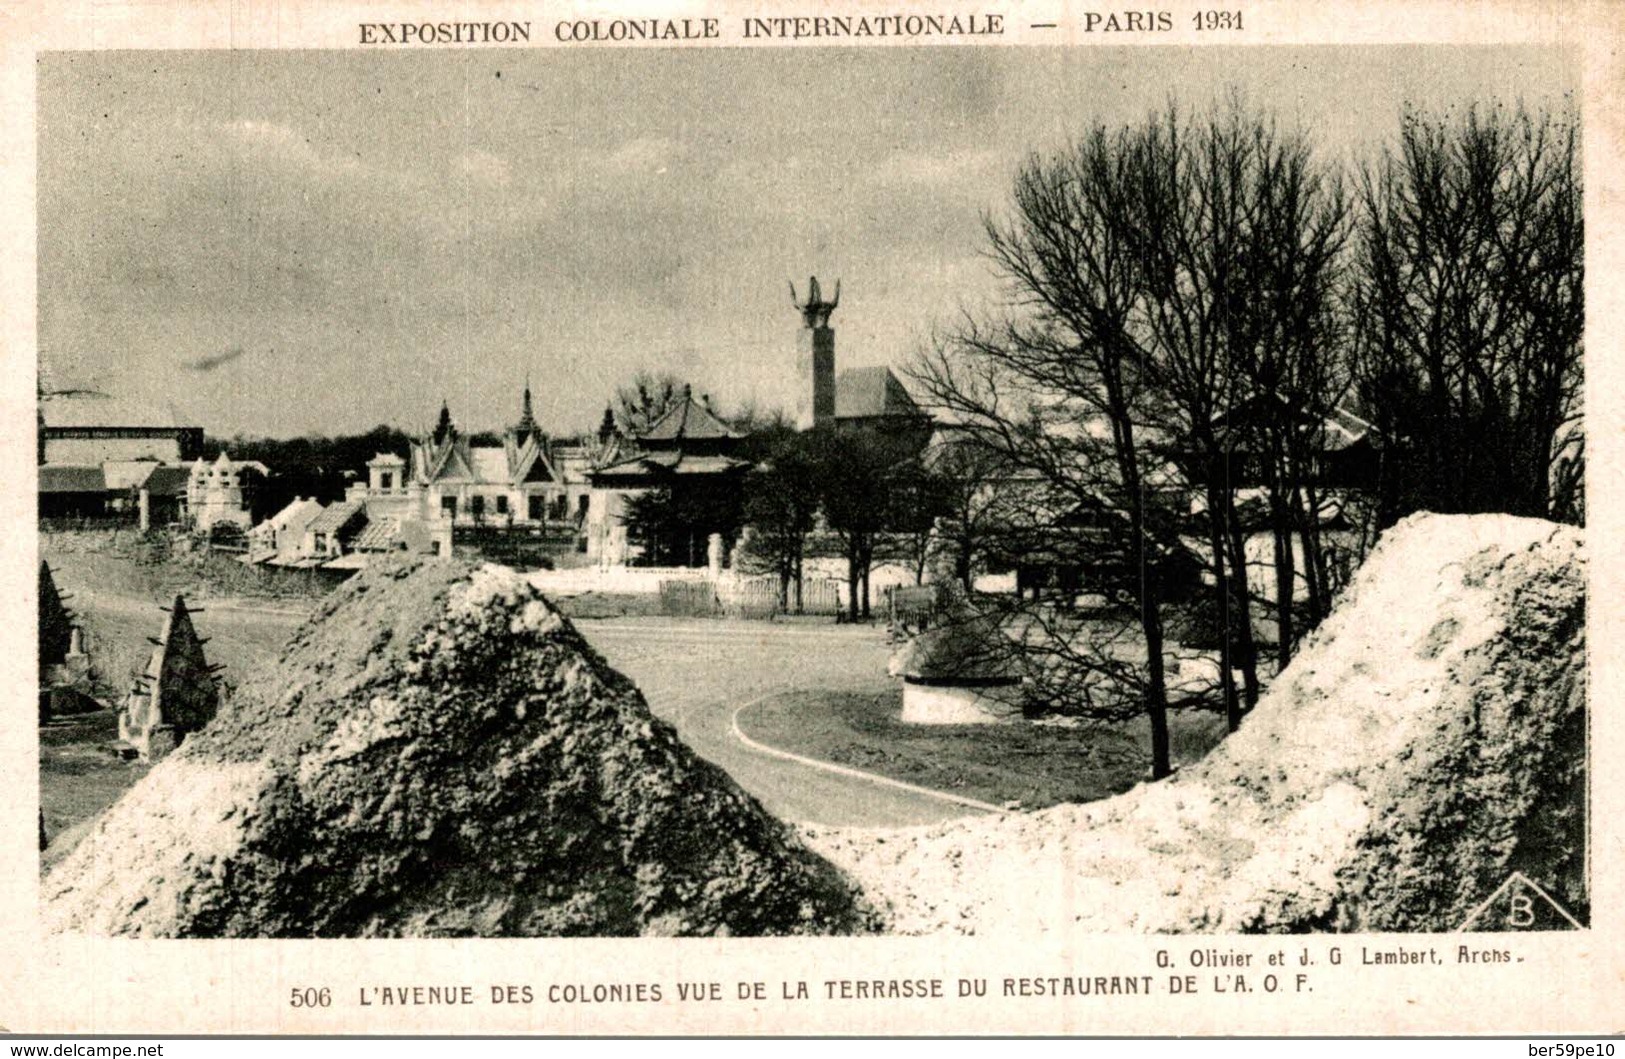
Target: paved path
(697,674)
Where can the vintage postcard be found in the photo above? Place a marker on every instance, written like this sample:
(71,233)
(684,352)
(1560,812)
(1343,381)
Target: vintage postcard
(554,518)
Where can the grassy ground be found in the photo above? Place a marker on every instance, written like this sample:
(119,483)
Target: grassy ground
(1036,765)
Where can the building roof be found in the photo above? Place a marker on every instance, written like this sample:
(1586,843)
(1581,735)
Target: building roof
(1339,429)
(379,535)
(866,393)
(386,459)
(127,474)
(71,478)
(336,517)
(688,419)
(86,409)
(296,516)
(661,465)
(513,462)
(167,480)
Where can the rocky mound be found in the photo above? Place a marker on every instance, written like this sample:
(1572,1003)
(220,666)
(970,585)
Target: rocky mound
(438,752)
(1427,742)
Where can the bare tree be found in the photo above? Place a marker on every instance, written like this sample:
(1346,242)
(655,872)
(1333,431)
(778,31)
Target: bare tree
(857,475)
(974,491)
(1469,307)
(1057,388)
(642,402)
(781,507)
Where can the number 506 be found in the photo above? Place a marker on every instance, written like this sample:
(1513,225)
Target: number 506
(310,997)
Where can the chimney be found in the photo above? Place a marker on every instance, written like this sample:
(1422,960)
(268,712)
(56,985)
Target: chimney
(815,357)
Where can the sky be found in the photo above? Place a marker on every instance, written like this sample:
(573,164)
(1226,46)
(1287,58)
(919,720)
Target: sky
(279,243)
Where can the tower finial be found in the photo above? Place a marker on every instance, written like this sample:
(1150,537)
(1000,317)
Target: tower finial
(815,310)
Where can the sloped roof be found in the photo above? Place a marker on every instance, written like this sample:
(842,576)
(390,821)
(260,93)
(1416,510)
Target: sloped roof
(1344,428)
(85,409)
(688,419)
(665,464)
(530,462)
(297,515)
(66,478)
(1339,429)
(167,480)
(864,393)
(336,517)
(127,474)
(378,535)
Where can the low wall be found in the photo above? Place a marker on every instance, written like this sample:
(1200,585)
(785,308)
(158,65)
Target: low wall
(613,580)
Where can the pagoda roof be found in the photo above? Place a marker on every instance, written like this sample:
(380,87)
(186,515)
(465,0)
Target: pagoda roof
(689,420)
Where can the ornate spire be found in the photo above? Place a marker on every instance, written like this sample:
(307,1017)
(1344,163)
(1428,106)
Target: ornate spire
(527,422)
(443,429)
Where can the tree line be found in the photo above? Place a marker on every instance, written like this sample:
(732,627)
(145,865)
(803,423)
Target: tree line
(1200,313)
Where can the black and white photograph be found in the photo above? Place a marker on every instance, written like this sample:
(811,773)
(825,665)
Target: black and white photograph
(731,520)
(749,492)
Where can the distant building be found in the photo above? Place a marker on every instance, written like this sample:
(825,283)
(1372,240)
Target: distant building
(511,482)
(222,493)
(84,428)
(451,482)
(110,459)
(281,536)
(862,398)
(72,492)
(328,534)
(161,496)
(687,451)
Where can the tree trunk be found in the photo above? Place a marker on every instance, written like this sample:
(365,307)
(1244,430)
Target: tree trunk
(1156,690)
(1307,506)
(868,562)
(852,585)
(1246,650)
(1285,580)
(1222,600)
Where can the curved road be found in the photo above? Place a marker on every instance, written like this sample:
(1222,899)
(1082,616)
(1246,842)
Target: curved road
(697,673)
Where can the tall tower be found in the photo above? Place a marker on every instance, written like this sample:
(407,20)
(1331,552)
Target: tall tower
(815,357)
